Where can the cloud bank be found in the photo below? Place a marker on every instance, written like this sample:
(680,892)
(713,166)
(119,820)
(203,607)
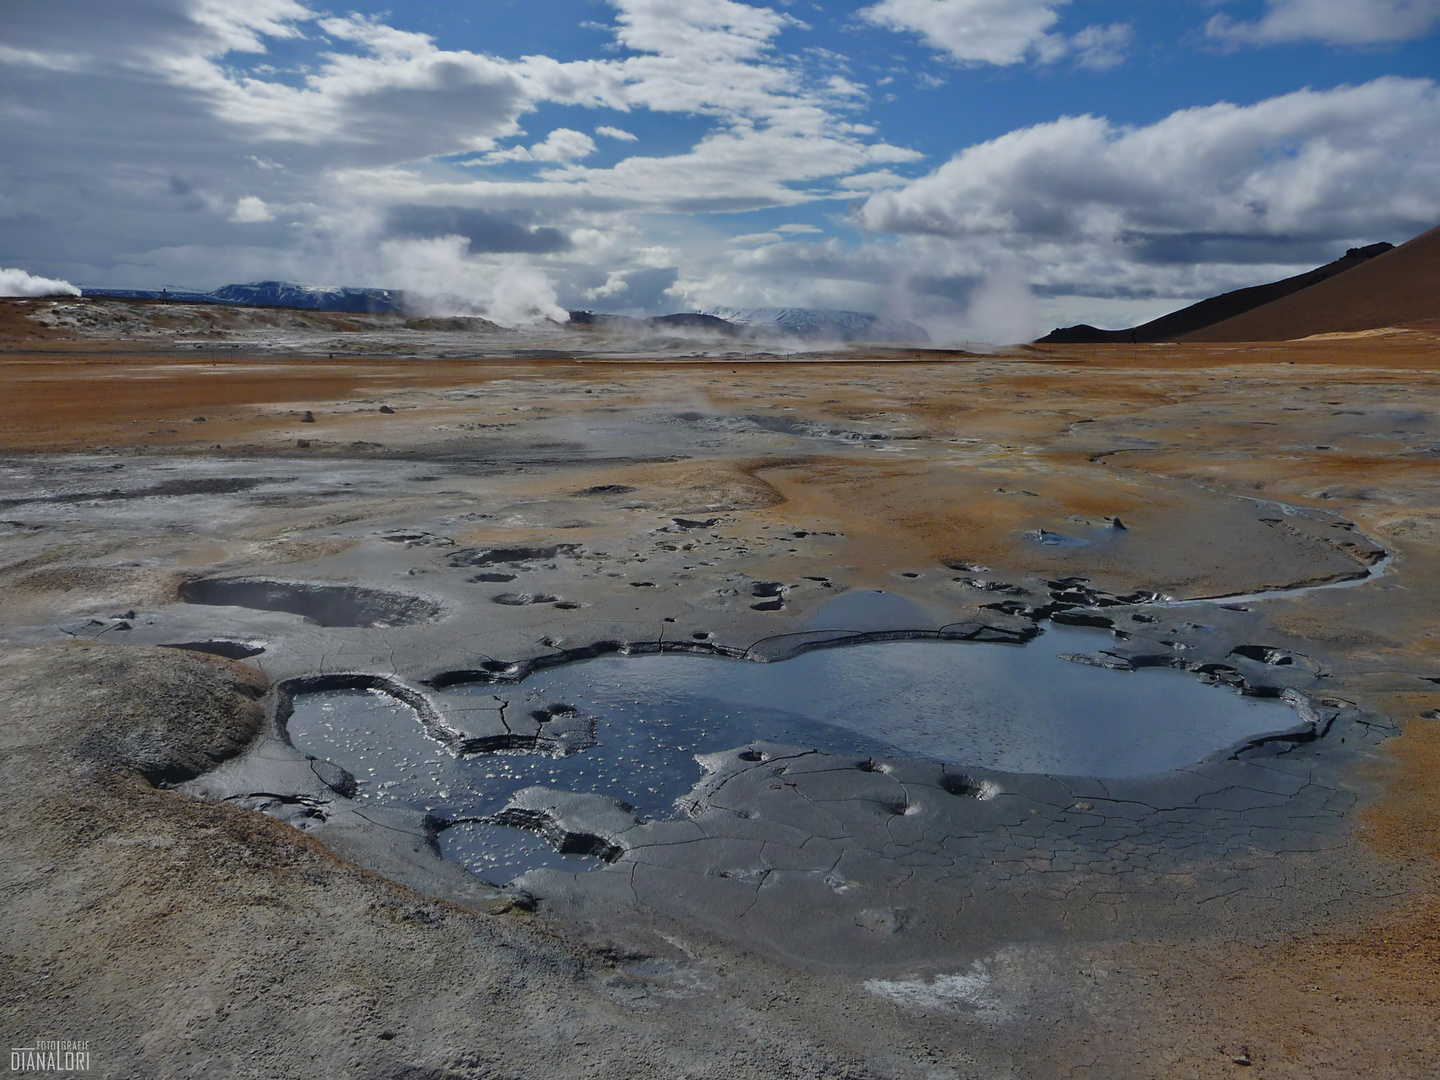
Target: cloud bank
(1222,183)
(1334,22)
(702,155)
(1001,32)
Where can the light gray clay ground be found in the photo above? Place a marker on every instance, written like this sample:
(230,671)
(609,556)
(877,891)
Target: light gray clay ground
(200,891)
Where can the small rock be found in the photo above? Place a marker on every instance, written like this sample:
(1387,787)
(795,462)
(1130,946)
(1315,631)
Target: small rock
(334,777)
(303,444)
(384,409)
(308,418)
(521,899)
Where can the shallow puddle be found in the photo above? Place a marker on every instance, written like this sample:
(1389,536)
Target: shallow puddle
(1004,707)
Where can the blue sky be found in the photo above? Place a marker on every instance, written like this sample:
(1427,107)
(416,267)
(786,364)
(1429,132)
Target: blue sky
(989,168)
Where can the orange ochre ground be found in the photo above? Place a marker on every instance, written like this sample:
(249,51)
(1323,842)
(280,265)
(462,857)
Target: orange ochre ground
(1364,1001)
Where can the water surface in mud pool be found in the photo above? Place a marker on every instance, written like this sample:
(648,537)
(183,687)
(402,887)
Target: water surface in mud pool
(1004,707)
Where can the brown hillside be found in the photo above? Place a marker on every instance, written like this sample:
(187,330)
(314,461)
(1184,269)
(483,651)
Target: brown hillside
(1214,309)
(1399,288)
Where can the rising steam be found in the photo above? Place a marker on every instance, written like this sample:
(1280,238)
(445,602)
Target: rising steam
(1002,309)
(442,271)
(16,282)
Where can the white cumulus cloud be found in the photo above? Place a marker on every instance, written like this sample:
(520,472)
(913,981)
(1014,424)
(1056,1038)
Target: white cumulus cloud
(251,209)
(1002,32)
(1100,48)
(16,282)
(1334,22)
(562,144)
(975,31)
(1114,224)
(1337,163)
(699,30)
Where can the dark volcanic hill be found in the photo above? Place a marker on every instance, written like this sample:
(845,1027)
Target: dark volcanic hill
(1398,288)
(681,322)
(1216,309)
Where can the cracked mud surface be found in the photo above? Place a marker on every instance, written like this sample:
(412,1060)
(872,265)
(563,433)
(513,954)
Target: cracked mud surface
(808,913)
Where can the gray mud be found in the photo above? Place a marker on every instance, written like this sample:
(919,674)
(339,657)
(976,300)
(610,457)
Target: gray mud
(672,752)
(324,605)
(649,718)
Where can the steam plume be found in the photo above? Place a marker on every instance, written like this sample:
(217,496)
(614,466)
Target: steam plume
(1002,310)
(16,282)
(508,291)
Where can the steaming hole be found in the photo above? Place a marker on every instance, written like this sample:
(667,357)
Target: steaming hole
(511,599)
(1004,707)
(959,785)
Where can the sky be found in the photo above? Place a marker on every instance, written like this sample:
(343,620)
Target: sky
(986,168)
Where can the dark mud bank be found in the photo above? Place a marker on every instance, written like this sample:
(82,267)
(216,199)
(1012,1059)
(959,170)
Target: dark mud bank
(325,605)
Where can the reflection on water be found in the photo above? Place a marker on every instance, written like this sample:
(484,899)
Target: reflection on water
(1005,707)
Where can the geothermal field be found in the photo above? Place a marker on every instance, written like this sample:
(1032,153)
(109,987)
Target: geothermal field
(427,699)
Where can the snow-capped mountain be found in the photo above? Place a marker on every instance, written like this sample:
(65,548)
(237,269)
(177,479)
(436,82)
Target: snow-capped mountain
(812,324)
(311,297)
(277,294)
(818,323)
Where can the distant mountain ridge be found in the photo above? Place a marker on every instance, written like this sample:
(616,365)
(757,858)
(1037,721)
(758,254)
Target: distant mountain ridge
(815,324)
(278,294)
(313,297)
(824,324)
(1215,309)
(689,320)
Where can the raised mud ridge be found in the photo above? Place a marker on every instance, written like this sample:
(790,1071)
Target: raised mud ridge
(553,728)
(772,649)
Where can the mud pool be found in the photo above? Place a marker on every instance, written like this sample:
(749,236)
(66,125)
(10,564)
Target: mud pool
(1020,709)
